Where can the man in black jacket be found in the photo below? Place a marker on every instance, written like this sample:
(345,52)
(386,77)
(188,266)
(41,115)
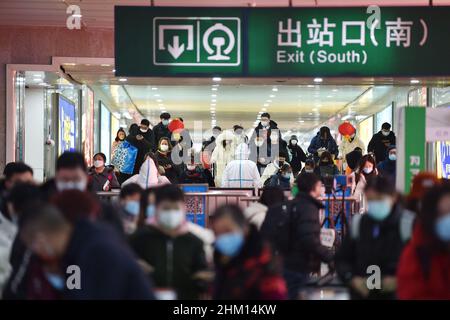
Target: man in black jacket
(147,133)
(302,250)
(371,250)
(381,141)
(161,130)
(136,139)
(84,260)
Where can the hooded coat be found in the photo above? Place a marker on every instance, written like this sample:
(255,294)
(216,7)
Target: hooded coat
(241,172)
(347,146)
(148,176)
(221,155)
(379,145)
(328,144)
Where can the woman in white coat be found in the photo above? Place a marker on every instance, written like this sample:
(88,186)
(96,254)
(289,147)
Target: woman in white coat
(148,176)
(223,154)
(241,172)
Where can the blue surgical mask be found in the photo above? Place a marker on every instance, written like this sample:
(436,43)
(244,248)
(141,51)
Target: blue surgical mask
(392,157)
(379,209)
(442,228)
(56,281)
(229,244)
(150,211)
(165,122)
(170,219)
(132,207)
(368,170)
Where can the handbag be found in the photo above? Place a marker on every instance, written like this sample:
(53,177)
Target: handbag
(124,158)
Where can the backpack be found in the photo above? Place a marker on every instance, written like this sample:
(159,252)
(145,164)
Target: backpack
(277,226)
(405,226)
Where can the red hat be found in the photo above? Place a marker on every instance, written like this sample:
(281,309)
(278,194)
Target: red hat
(346,129)
(176,125)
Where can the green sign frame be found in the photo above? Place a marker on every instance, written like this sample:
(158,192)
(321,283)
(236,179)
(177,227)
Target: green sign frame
(292,42)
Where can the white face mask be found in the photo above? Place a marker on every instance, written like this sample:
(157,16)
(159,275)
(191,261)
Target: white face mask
(170,219)
(98,163)
(367,170)
(144,130)
(164,147)
(191,167)
(294,142)
(265,123)
(385,133)
(71,185)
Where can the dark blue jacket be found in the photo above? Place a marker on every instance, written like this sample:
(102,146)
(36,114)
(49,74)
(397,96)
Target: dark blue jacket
(108,268)
(317,143)
(387,168)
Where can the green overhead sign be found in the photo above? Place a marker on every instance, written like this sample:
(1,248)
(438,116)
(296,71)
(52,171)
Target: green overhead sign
(303,42)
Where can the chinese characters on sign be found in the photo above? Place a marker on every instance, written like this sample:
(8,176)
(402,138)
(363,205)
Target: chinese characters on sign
(321,33)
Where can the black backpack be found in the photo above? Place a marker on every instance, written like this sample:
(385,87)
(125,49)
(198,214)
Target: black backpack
(277,226)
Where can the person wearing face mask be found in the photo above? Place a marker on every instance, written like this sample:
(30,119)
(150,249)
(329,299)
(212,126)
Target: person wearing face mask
(137,140)
(193,174)
(241,172)
(164,157)
(282,178)
(323,141)
(223,154)
(387,168)
(310,166)
(102,177)
(129,200)
(258,153)
(168,236)
(423,271)
(293,229)
(108,268)
(241,137)
(274,167)
(375,238)
(161,130)
(366,170)
(381,141)
(71,173)
(326,167)
(350,142)
(297,155)
(147,133)
(12,248)
(245,267)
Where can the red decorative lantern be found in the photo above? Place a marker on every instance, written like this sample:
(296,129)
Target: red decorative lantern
(176,125)
(346,129)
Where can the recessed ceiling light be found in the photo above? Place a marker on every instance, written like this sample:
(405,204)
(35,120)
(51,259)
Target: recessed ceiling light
(214,89)
(318,80)
(123,79)
(159,100)
(301,121)
(217,79)
(335,90)
(213,100)
(272,96)
(214,95)
(213,104)
(275,89)
(105,65)
(310,86)
(266,104)
(310,113)
(156,95)
(264,109)
(154,88)
(314,109)
(329,96)
(414,81)
(268,101)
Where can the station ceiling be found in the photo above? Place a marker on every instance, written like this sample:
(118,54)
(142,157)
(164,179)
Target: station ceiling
(100,13)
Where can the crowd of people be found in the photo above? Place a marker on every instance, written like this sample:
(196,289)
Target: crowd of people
(143,246)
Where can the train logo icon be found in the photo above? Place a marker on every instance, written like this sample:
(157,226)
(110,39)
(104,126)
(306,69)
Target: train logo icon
(197,41)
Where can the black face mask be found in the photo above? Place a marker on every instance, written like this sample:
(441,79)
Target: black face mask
(324,162)
(280,163)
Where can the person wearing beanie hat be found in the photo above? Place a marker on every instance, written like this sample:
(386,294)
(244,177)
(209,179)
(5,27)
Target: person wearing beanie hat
(297,155)
(380,142)
(387,168)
